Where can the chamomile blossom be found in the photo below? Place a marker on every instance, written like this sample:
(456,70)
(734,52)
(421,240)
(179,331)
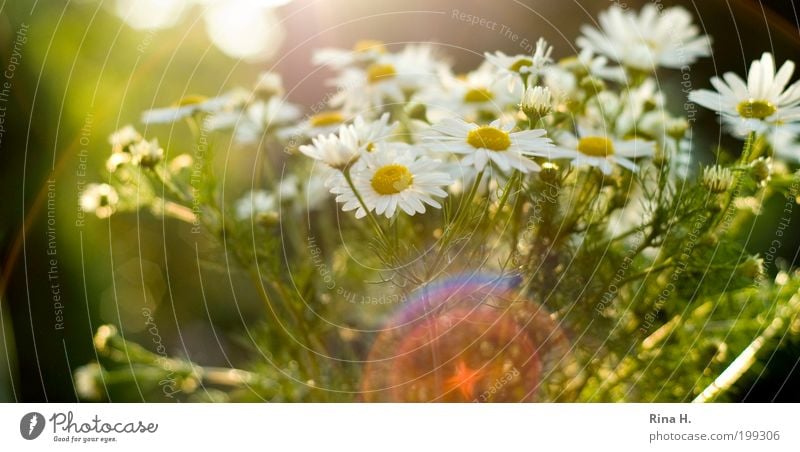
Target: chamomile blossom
(268,85)
(191,105)
(256,118)
(367,134)
(363,52)
(536,102)
(336,151)
(599,150)
(322,122)
(512,69)
(475,95)
(391,78)
(785,143)
(563,86)
(586,63)
(352,140)
(783,138)
(648,39)
(495,143)
(763,100)
(391,179)
(255,203)
(717,179)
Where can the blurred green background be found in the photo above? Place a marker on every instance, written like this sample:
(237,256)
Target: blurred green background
(82,73)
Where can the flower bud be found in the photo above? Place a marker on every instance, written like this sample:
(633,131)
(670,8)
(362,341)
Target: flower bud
(761,170)
(717,179)
(100,199)
(593,85)
(536,103)
(677,127)
(753,267)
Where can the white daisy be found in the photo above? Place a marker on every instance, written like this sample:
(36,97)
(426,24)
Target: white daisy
(320,123)
(364,52)
(336,151)
(598,150)
(652,38)
(587,63)
(391,78)
(257,117)
(763,100)
(476,96)
(269,84)
(563,85)
(367,134)
(783,138)
(491,143)
(191,105)
(785,143)
(254,203)
(391,178)
(512,69)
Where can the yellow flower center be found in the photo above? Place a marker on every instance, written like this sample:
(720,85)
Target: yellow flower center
(756,109)
(326,118)
(369,45)
(488,137)
(380,72)
(478,95)
(596,146)
(519,64)
(392,179)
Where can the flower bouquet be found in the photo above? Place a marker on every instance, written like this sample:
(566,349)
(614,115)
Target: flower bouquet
(536,229)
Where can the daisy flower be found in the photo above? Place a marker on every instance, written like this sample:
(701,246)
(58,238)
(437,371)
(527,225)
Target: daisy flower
(393,77)
(598,150)
(491,143)
(269,84)
(323,122)
(393,178)
(339,151)
(474,96)
(191,105)
(363,52)
(511,69)
(563,86)
(333,150)
(255,203)
(256,118)
(367,134)
(783,138)
(587,63)
(647,40)
(763,100)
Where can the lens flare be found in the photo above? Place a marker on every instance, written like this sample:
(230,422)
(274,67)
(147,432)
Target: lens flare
(468,338)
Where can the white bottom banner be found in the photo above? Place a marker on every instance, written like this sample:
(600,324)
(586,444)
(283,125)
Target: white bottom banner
(397,427)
